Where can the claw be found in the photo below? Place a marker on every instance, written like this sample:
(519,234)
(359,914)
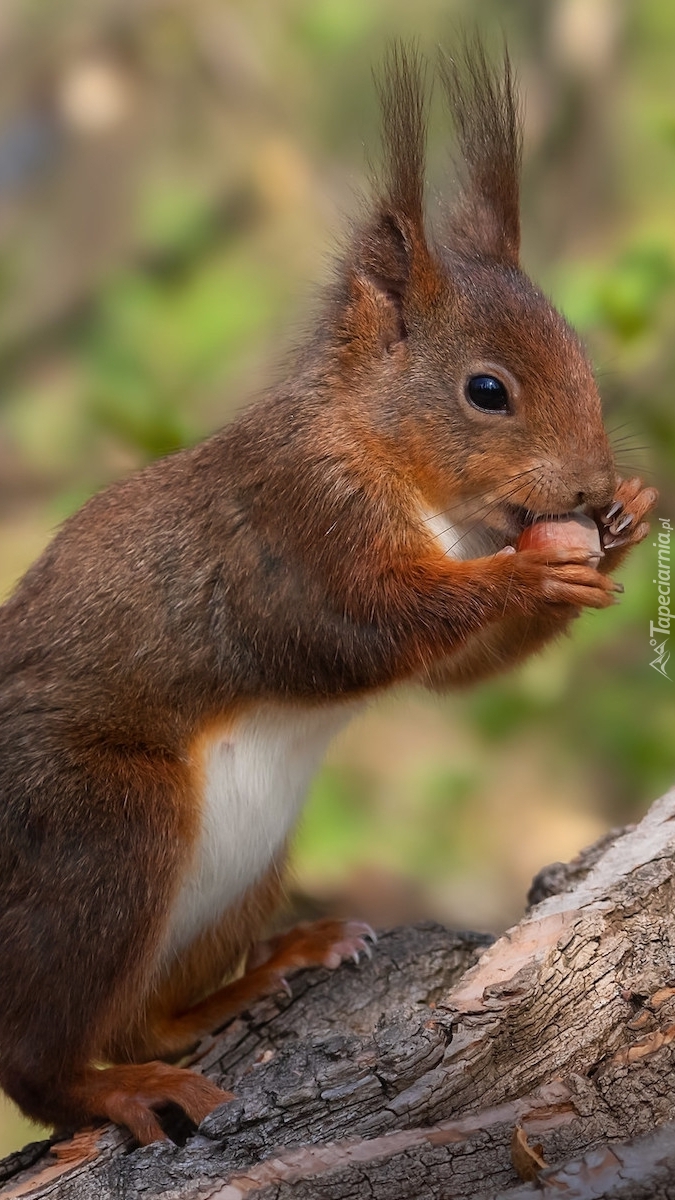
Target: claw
(355,942)
(617,526)
(612,511)
(320,943)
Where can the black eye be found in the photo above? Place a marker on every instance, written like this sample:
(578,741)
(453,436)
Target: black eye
(487,393)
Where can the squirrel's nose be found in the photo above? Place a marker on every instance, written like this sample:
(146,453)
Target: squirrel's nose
(597,491)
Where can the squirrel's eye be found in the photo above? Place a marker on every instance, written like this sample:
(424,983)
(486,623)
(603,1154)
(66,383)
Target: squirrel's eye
(487,393)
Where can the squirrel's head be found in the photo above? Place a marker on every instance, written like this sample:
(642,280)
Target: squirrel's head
(479,386)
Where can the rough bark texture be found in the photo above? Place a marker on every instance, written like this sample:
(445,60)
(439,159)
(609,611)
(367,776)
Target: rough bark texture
(449,1067)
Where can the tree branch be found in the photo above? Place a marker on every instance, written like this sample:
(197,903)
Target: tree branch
(447,1066)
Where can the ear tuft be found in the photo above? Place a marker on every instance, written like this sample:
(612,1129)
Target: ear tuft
(486,113)
(390,270)
(404,103)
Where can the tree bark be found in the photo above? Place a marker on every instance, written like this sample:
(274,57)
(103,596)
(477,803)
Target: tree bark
(450,1066)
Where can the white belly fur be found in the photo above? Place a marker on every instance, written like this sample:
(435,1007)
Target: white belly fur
(456,541)
(443,533)
(257,774)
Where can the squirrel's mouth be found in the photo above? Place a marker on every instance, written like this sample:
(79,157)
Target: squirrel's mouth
(500,526)
(515,519)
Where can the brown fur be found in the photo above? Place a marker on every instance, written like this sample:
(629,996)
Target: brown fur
(284,559)
(170,1020)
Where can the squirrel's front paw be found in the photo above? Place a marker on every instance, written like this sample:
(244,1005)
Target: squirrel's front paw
(563,576)
(622,524)
(580,585)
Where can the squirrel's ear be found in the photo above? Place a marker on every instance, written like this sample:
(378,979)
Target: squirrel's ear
(381,274)
(390,263)
(485,109)
(378,278)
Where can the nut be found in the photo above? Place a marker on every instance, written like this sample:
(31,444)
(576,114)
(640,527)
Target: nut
(572,531)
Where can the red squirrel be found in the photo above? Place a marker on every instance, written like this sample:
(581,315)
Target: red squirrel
(174,665)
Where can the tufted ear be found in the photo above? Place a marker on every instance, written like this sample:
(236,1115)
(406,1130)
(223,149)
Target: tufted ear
(390,267)
(485,219)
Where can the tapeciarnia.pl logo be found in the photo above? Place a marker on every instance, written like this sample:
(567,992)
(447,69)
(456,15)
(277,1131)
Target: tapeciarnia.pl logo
(662,624)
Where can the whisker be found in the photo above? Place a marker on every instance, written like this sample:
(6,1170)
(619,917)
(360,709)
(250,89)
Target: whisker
(616,428)
(486,511)
(481,510)
(507,483)
(456,507)
(499,496)
(626,441)
(435,516)
(627,467)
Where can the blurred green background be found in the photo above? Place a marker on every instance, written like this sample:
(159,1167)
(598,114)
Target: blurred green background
(175,176)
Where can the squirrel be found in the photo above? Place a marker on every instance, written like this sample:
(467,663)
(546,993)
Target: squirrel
(174,665)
